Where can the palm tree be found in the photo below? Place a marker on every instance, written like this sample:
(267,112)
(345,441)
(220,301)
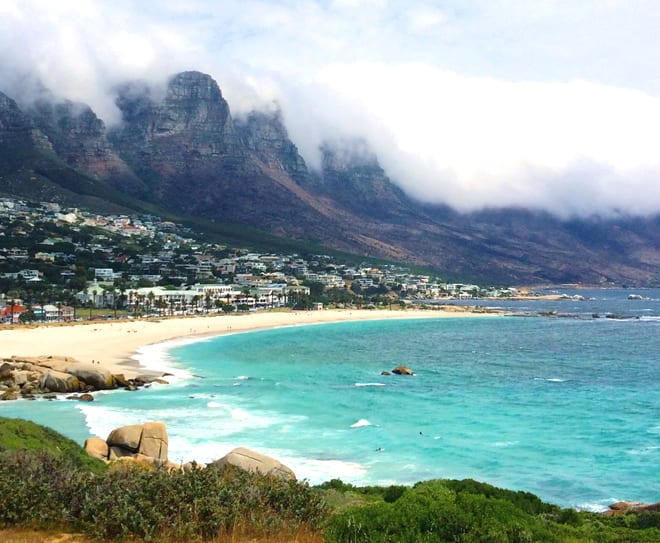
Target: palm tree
(161,304)
(195,301)
(150,300)
(73,301)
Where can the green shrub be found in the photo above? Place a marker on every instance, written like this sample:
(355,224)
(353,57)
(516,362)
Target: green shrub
(39,489)
(24,435)
(394,492)
(434,512)
(525,501)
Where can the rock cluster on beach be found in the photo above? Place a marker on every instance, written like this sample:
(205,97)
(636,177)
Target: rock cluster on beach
(29,377)
(148,444)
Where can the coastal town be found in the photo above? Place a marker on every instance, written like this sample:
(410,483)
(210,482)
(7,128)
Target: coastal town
(66,264)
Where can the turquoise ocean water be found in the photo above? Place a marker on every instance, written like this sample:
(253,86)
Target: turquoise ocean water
(565,407)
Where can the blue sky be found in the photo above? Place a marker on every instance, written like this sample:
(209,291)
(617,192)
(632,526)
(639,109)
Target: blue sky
(546,104)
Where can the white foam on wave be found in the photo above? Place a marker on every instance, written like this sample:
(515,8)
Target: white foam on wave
(208,441)
(319,470)
(596,507)
(550,379)
(369,384)
(643,451)
(157,358)
(214,421)
(361,423)
(102,420)
(241,378)
(504,444)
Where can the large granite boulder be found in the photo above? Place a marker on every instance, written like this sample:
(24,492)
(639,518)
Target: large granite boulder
(250,460)
(5,370)
(22,377)
(57,381)
(126,437)
(94,376)
(154,441)
(96,448)
(403,370)
(146,442)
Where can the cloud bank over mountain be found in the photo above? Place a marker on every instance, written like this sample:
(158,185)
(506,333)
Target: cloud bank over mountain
(474,104)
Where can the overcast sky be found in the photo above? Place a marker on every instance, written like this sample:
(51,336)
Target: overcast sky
(550,104)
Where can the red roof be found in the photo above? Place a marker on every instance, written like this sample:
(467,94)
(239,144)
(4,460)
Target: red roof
(12,309)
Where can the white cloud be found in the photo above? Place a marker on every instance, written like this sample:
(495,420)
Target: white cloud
(472,141)
(483,102)
(426,18)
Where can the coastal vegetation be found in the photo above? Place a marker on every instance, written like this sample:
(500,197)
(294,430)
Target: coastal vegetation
(47,483)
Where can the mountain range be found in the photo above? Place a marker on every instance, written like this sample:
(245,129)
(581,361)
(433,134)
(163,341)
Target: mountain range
(185,156)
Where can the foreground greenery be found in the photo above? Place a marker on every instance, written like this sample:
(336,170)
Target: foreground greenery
(46,483)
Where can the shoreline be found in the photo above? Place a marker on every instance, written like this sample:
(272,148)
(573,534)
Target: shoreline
(115,345)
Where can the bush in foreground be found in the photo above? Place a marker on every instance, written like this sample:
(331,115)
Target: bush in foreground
(47,482)
(470,512)
(44,491)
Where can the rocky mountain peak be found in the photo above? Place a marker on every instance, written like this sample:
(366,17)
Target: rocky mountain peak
(193,86)
(179,149)
(11,117)
(19,137)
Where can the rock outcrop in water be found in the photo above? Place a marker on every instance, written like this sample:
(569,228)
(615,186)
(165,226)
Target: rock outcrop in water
(45,375)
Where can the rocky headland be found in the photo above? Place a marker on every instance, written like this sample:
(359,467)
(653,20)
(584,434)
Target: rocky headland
(48,376)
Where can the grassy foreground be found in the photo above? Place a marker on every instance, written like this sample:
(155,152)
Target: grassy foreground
(48,484)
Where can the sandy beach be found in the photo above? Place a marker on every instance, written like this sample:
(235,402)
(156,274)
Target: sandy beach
(112,344)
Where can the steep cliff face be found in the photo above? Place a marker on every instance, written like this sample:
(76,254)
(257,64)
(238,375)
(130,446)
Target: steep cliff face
(350,174)
(189,133)
(264,136)
(196,159)
(78,137)
(183,151)
(20,140)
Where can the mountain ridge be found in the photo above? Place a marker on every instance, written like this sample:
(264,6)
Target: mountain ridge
(185,153)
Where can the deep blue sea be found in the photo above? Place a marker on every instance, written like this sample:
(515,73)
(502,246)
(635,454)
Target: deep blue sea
(565,406)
